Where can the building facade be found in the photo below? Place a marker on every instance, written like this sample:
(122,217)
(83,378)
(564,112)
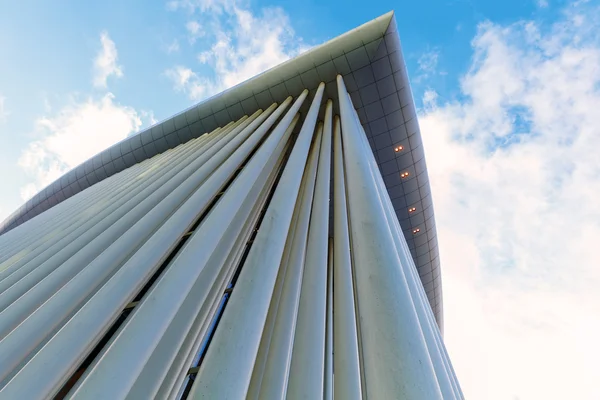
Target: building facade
(274,241)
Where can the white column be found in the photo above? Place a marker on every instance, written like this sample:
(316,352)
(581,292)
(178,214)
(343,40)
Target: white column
(101,200)
(328,392)
(195,314)
(201,260)
(82,331)
(188,351)
(30,272)
(271,370)
(307,369)
(347,385)
(111,246)
(395,356)
(227,367)
(409,270)
(106,200)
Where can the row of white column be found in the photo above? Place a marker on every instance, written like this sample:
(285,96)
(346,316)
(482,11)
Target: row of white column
(402,353)
(313,313)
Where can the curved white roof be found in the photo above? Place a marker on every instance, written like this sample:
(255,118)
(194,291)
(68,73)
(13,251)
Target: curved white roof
(371,62)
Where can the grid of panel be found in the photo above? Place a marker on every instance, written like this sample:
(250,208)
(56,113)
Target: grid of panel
(377,81)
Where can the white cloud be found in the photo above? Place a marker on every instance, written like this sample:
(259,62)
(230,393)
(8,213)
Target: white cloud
(76,133)
(3,112)
(81,129)
(242,45)
(105,63)
(542,3)
(516,177)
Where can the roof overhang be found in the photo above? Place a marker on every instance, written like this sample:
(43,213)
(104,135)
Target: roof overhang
(370,59)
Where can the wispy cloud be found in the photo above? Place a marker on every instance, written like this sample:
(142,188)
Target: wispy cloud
(516,177)
(241,44)
(105,63)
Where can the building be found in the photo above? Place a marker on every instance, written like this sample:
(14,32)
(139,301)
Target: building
(199,258)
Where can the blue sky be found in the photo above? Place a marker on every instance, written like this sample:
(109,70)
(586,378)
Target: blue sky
(508,94)
(47,66)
